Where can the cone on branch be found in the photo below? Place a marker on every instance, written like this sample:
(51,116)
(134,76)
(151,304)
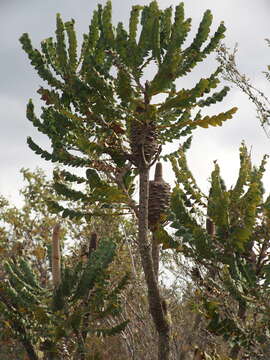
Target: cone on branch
(87,249)
(143,136)
(210,227)
(159,198)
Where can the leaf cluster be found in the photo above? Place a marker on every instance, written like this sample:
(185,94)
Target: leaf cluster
(95,93)
(84,297)
(226,234)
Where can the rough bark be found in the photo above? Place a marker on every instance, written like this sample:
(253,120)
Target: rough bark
(56,257)
(155,255)
(155,301)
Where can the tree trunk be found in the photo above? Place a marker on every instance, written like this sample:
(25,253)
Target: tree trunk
(156,307)
(155,255)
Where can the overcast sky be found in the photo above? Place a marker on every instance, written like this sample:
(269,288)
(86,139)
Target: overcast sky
(247,23)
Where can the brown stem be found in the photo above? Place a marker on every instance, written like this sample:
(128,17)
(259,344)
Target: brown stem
(154,297)
(155,255)
(56,257)
(92,243)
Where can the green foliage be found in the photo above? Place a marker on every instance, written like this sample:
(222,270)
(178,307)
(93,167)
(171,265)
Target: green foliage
(94,269)
(39,62)
(28,302)
(164,238)
(51,314)
(227,237)
(100,114)
(88,112)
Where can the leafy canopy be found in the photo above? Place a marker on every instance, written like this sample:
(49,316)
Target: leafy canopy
(94,94)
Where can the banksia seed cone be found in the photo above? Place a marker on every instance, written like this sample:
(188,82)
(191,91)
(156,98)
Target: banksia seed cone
(143,135)
(87,249)
(159,198)
(56,256)
(93,243)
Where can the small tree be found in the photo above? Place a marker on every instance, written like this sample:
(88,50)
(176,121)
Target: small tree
(26,235)
(227,236)
(101,114)
(54,322)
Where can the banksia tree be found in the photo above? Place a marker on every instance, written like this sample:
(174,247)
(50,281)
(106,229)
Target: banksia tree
(232,252)
(100,114)
(56,321)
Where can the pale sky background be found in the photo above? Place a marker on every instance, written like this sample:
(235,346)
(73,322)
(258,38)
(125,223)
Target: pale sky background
(247,23)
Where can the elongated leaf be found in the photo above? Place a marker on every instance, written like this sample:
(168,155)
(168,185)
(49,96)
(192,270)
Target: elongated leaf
(72,50)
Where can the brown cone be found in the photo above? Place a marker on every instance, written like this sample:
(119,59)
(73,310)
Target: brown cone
(143,135)
(159,198)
